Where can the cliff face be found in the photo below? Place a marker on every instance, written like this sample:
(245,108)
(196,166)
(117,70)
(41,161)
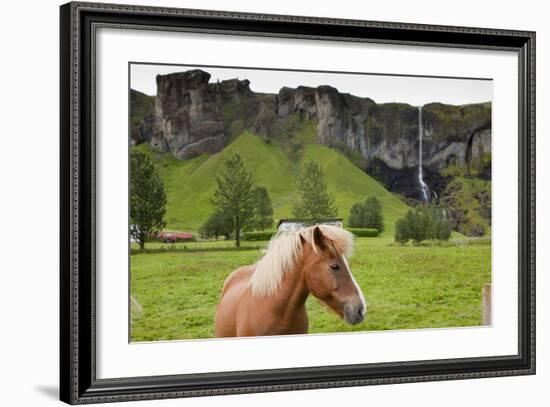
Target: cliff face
(142,117)
(192,116)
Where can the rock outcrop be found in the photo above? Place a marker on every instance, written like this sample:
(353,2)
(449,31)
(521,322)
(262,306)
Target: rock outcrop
(142,117)
(192,116)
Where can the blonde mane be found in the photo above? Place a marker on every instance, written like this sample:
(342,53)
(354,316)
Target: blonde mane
(285,248)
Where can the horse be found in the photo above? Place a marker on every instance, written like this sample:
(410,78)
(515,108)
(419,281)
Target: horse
(269,297)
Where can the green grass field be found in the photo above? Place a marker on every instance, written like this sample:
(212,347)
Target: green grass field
(429,286)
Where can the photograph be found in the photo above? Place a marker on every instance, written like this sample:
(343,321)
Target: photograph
(258,202)
(288,202)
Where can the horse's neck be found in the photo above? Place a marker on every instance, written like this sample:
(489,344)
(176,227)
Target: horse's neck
(293,291)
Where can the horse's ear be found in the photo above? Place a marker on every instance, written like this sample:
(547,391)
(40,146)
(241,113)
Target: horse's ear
(319,238)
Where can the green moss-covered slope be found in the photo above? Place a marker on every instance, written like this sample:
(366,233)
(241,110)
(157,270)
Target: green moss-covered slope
(191,183)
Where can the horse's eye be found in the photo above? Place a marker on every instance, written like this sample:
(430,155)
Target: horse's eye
(335,267)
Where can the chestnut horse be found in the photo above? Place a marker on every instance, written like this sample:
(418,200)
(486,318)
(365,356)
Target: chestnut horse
(269,297)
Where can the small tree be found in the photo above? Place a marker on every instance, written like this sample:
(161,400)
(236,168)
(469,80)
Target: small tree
(418,225)
(367,214)
(440,227)
(263,211)
(218,224)
(147,198)
(356,218)
(373,214)
(314,200)
(234,194)
(444,230)
(402,234)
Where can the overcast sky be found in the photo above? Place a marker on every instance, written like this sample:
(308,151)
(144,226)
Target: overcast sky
(416,91)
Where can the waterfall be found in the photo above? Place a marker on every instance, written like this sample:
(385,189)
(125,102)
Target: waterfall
(424,190)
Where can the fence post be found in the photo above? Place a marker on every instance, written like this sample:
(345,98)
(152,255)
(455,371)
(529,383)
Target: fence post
(486,316)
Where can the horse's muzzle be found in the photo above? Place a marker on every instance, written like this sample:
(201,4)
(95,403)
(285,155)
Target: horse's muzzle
(355,313)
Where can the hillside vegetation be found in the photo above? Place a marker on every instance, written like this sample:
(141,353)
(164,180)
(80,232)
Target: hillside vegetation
(140,105)
(191,183)
(469,201)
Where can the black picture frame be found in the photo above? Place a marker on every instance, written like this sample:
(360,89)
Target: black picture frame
(78,382)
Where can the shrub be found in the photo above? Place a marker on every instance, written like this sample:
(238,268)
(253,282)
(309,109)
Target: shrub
(186,239)
(356,218)
(402,234)
(421,224)
(367,214)
(418,225)
(218,224)
(258,236)
(439,225)
(364,232)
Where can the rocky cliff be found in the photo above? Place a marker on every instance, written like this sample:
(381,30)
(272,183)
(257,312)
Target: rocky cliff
(142,117)
(192,116)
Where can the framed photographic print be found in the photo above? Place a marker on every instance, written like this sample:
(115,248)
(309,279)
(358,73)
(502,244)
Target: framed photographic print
(255,203)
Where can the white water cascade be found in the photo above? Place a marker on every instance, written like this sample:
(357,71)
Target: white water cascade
(424,190)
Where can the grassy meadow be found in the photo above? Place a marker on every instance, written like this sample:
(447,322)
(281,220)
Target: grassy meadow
(177,286)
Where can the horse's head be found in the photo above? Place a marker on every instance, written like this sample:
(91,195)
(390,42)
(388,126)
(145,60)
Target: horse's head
(328,275)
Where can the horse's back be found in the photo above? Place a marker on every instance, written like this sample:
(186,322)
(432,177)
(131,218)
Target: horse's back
(239,276)
(235,288)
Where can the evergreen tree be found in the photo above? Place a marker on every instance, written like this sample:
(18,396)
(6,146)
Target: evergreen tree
(356,218)
(234,194)
(374,217)
(263,211)
(367,214)
(147,198)
(314,201)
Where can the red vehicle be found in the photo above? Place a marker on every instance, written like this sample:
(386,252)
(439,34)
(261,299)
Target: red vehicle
(174,237)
